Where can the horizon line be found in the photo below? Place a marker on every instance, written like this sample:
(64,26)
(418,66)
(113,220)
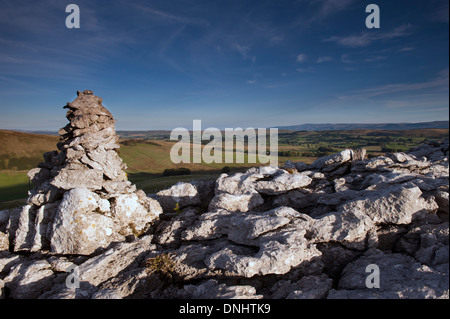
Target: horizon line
(280,126)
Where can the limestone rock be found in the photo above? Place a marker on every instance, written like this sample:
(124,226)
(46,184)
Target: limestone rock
(7,261)
(396,205)
(309,287)
(241,228)
(332,162)
(60,264)
(78,227)
(259,230)
(237,184)
(305,231)
(99,275)
(106,294)
(81,200)
(4,241)
(39,175)
(236,203)
(272,258)
(108,264)
(133,217)
(169,232)
(29,280)
(348,227)
(211,289)
(359,154)
(31,229)
(400,277)
(179,195)
(74,178)
(282,183)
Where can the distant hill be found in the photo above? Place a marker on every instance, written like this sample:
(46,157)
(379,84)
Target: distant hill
(165,134)
(356,126)
(42,132)
(21,150)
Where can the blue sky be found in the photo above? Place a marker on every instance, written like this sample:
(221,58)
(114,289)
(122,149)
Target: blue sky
(233,63)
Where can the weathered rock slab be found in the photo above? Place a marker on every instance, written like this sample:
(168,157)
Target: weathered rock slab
(400,276)
(79,227)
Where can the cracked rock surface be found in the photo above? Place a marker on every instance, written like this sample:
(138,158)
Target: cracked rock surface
(303,233)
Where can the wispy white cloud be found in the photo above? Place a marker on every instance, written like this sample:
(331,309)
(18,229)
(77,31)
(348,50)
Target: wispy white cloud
(375,58)
(440,83)
(301,58)
(323,59)
(259,28)
(306,70)
(241,49)
(244,51)
(328,7)
(320,10)
(396,103)
(440,14)
(360,40)
(345,58)
(30,17)
(420,102)
(45,48)
(165,46)
(366,38)
(40,67)
(170,17)
(406,49)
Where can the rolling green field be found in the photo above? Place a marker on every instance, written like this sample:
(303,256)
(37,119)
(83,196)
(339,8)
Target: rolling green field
(147,155)
(13,188)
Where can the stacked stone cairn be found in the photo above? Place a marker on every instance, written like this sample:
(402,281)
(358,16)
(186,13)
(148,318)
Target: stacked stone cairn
(82,200)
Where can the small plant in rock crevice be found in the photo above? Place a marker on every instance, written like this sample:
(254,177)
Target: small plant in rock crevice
(177,208)
(162,263)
